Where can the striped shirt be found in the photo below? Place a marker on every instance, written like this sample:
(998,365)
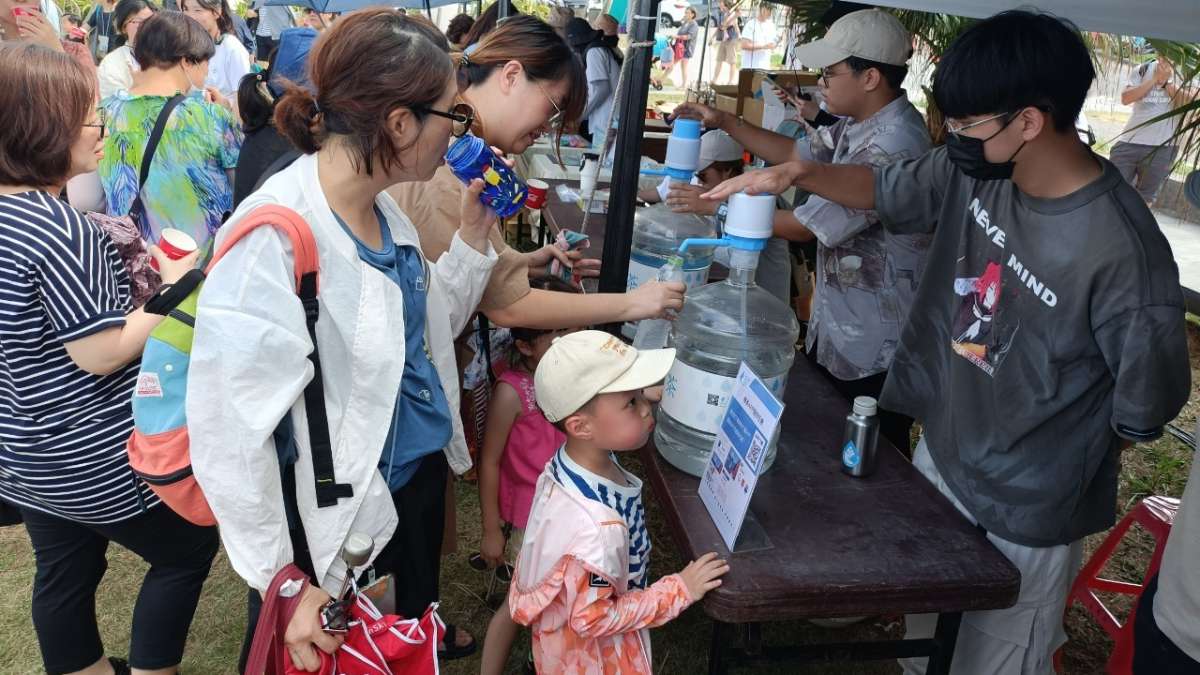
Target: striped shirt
(624,499)
(62,430)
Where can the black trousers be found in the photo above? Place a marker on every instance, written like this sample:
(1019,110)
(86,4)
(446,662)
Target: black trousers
(893,426)
(1153,652)
(71,562)
(413,555)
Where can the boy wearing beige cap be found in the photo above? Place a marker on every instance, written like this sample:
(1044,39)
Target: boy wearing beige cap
(581,577)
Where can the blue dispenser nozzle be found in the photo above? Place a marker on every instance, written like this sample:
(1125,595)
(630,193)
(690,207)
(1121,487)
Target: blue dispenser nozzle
(730,241)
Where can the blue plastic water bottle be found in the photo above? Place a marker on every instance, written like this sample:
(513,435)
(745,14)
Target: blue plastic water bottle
(470,158)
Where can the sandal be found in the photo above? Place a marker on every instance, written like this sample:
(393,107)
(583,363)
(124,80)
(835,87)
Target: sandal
(451,650)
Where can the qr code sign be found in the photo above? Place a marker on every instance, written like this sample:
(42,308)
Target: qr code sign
(714,399)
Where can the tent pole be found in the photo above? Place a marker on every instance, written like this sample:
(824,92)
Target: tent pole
(618,236)
(703,48)
(428,11)
(503,12)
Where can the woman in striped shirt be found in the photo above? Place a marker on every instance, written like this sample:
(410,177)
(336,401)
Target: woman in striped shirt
(69,349)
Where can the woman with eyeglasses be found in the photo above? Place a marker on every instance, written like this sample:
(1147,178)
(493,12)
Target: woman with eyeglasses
(71,341)
(118,67)
(519,82)
(377,115)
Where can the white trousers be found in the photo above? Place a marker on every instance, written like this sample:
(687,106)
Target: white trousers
(1022,639)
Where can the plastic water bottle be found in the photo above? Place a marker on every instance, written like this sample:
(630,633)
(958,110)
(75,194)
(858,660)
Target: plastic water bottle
(862,436)
(721,325)
(653,333)
(470,158)
(658,231)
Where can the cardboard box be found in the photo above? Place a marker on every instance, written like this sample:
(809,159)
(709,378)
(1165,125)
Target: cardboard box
(752,105)
(727,98)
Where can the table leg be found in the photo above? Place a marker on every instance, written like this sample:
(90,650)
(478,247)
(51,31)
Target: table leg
(944,638)
(716,649)
(753,639)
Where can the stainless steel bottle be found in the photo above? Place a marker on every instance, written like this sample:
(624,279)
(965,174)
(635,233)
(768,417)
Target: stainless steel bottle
(862,434)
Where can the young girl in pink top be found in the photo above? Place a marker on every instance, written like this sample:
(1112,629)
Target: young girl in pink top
(517,444)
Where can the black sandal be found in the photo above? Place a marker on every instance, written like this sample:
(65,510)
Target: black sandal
(453,651)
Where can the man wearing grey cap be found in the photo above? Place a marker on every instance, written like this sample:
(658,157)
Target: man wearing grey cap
(866,277)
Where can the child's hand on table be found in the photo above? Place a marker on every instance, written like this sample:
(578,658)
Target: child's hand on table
(703,575)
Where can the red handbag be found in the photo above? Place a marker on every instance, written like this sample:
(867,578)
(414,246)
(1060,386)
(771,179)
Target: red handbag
(376,644)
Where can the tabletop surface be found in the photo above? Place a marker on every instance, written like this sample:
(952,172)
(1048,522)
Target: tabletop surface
(839,546)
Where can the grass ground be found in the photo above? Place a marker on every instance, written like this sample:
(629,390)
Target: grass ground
(680,647)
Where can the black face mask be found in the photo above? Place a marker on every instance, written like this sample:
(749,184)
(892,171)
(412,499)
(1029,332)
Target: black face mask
(966,153)
(610,41)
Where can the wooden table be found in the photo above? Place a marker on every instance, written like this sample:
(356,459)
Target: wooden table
(838,546)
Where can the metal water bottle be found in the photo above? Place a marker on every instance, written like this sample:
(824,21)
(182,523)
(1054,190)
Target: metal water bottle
(862,434)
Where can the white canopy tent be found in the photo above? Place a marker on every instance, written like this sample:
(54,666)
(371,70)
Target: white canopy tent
(1165,19)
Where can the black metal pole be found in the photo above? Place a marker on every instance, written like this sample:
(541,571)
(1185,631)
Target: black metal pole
(503,13)
(618,236)
(703,49)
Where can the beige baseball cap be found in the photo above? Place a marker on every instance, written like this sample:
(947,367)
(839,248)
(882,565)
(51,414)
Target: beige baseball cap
(871,34)
(581,365)
(718,146)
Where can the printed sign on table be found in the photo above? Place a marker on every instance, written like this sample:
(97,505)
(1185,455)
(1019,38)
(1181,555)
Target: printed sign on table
(738,453)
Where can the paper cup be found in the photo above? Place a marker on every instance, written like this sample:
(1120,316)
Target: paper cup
(537,193)
(175,243)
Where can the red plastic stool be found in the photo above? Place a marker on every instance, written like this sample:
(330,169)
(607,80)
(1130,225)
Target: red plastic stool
(1155,515)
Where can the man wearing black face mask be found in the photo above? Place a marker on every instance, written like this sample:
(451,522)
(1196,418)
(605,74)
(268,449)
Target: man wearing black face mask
(1048,333)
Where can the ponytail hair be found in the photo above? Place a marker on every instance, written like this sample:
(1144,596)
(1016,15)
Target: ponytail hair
(368,64)
(543,54)
(256,105)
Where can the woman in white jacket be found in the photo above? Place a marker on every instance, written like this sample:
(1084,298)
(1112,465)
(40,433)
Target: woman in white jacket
(383,113)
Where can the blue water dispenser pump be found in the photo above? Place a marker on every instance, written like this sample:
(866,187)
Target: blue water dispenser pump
(683,152)
(748,225)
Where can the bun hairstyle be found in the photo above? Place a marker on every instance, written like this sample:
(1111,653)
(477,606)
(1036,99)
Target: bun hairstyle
(537,47)
(370,63)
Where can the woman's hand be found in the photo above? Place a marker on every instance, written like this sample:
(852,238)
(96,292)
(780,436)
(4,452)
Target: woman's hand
(34,27)
(476,219)
(655,300)
(304,635)
(214,95)
(172,270)
(539,261)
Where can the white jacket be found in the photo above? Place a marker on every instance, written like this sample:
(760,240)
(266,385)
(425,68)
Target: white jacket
(249,367)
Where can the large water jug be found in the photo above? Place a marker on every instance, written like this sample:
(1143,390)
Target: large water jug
(658,231)
(721,325)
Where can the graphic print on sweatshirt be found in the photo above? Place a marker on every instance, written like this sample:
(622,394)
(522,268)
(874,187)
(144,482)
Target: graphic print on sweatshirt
(992,284)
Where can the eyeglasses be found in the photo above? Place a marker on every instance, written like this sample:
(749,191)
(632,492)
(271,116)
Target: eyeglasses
(462,115)
(102,114)
(956,131)
(556,120)
(827,73)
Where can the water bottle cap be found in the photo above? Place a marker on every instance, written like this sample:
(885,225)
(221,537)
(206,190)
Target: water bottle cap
(865,406)
(686,128)
(462,153)
(357,549)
